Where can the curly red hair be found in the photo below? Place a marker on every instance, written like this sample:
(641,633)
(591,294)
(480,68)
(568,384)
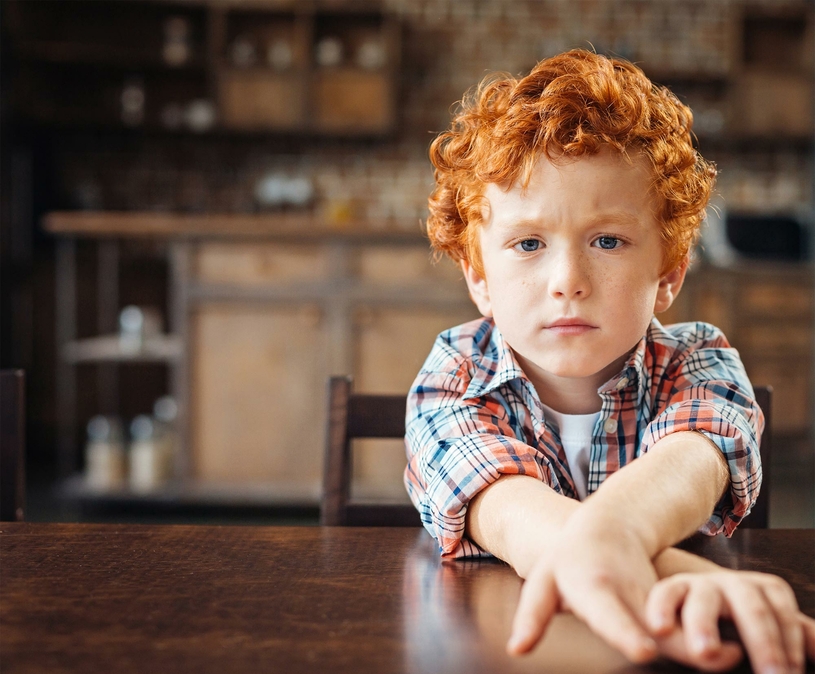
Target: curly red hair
(570,105)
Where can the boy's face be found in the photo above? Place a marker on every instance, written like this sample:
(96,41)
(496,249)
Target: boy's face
(572,267)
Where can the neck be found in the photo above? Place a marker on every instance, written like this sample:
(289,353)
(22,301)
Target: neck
(570,395)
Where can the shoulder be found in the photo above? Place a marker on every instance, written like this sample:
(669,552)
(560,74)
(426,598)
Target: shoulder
(692,353)
(682,338)
(461,348)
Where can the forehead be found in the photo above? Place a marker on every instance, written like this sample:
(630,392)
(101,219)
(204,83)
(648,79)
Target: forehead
(576,191)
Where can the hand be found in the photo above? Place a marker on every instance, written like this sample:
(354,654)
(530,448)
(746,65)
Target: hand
(775,634)
(603,575)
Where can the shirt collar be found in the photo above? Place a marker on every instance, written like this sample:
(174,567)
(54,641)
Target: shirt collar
(634,372)
(498,365)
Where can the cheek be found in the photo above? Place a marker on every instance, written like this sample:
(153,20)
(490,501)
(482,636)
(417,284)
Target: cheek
(632,298)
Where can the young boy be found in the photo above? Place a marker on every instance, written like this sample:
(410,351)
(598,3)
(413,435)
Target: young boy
(569,433)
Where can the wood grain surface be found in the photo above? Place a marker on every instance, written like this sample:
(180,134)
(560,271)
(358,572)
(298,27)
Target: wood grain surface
(129,598)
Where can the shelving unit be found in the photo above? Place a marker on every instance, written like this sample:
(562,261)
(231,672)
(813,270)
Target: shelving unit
(205,66)
(109,349)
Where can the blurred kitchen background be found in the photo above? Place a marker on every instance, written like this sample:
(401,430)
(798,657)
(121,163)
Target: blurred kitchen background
(210,206)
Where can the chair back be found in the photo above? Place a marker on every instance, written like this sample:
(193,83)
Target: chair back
(356,415)
(12,445)
(759,517)
(350,416)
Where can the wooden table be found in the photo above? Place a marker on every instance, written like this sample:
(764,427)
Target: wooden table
(128,598)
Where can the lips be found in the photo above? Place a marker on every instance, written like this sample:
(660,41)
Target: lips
(570,326)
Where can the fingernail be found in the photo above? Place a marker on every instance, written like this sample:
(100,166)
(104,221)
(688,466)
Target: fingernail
(774,669)
(515,641)
(663,622)
(703,643)
(649,644)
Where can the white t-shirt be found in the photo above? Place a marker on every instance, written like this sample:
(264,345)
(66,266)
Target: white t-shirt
(576,432)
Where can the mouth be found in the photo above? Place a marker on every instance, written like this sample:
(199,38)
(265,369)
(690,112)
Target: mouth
(570,326)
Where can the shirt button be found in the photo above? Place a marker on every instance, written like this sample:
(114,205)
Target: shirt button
(622,383)
(610,425)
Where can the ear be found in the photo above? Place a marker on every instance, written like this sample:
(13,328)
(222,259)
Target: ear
(669,286)
(479,293)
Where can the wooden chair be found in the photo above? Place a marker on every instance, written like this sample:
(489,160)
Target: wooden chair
(12,445)
(357,415)
(759,518)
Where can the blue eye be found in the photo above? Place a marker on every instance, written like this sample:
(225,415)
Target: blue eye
(529,245)
(608,242)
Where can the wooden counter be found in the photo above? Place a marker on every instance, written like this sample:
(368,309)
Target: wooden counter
(272,225)
(263,309)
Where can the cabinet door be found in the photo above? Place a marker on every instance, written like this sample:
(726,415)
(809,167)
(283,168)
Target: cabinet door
(390,346)
(258,395)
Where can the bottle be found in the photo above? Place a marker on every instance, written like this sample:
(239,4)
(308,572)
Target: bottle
(176,49)
(148,463)
(104,454)
(165,413)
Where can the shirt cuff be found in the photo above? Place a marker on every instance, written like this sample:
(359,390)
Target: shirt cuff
(467,466)
(729,429)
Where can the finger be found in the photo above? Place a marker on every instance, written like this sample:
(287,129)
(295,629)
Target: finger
(725,658)
(663,604)
(538,603)
(700,618)
(808,625)
(758,627)
(609,617)
(782,599)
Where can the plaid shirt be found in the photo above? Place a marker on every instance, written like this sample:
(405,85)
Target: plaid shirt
(473,416)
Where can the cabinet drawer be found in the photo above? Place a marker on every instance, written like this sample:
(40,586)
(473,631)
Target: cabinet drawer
(259,99)
(401,264)
(352,100)
(260,263)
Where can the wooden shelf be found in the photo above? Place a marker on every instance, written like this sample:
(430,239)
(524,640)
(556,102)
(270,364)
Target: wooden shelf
(191,493)
(77,54)
(111,349)
(283,225)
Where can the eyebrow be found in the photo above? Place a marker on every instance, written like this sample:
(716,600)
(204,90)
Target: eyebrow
(618,218)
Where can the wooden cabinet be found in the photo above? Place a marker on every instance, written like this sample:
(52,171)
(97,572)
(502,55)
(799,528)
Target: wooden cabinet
(263,317)
(272,320)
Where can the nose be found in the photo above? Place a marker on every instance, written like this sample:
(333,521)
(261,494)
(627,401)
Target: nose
(569,276)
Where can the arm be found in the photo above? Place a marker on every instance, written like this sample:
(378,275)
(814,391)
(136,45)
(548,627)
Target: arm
(577,554)
(525,523)
(516,517)
(503,517)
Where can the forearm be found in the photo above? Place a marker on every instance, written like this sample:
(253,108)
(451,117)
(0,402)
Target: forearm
(517,516)
(662,497)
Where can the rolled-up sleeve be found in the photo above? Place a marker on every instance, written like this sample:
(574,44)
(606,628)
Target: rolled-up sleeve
(456,447)
(711,394)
